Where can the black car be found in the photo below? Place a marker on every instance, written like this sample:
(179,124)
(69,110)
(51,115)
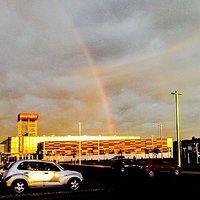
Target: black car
(117,158)
(123,165)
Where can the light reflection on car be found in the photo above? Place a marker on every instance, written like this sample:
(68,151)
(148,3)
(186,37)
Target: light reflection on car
(23,174)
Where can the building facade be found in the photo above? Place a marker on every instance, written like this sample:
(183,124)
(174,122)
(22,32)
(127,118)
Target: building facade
(65,148)
(27,124)
(27,144)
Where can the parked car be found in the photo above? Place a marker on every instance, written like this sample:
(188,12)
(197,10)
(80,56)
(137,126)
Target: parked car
(123,165)
(3,167)
(155,166)
(23,174)
(117,158)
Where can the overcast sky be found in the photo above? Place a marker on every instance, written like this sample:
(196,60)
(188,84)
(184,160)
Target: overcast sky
(109,64)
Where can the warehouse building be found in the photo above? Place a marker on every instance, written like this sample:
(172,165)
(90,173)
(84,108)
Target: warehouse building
(65,148)
(27,144)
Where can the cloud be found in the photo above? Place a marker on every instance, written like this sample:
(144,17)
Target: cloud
(67,59)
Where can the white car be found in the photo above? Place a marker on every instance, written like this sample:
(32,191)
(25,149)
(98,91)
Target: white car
(23,174)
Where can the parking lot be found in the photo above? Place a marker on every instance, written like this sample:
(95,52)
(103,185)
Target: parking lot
(102,182)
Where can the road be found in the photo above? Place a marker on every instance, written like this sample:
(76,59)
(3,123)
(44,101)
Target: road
(104,183)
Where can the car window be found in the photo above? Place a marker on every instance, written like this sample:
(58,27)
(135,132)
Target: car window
(50,167)
(117,157)
(38,166)
(32,166)
(142,162)
(22,166)
(157,161)
(166,162)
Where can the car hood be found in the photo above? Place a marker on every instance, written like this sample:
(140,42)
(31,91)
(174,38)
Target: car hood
(71,172)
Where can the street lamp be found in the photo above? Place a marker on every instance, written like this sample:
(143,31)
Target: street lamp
(176,93)
(99,147)
(161,149)
(152,145)
(197,152)
(79,144)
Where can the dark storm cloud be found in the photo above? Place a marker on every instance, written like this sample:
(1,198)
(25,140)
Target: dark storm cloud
(127,28)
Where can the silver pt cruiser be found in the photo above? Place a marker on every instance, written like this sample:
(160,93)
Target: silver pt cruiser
(23,174)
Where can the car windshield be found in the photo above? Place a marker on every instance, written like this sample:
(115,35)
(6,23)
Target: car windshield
(142,162)
(117,157)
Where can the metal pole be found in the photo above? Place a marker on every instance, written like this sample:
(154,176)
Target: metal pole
(44,151)
(152,145)
(197,151)
(99,157)
(79,133)
(161,140)
(176,93)
(98,150)
(188,157)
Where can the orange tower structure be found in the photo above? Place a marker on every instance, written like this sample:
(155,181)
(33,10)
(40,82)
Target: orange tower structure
(27,124)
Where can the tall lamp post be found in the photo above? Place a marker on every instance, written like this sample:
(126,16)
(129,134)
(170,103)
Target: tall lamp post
(176,93)
(160,125)
(197,152)
(152,142)
(79,143)
(99,148)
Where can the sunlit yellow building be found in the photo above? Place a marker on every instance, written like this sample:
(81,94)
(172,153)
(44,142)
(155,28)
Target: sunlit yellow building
(64,148)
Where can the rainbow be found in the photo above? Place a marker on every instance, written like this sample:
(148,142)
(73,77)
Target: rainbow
(97,74)
(100,84)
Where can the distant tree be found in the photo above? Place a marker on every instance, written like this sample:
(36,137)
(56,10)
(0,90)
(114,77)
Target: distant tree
(193,138)
(120,152)
(155,150)
(146,151)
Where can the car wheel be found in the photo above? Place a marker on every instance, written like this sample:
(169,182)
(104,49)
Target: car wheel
(19,186)
(74,184)
(122,169)
(112,167)
(151,174)
(176,172)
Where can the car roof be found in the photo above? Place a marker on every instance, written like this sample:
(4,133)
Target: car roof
(31,160)
(156,159)
(34,160)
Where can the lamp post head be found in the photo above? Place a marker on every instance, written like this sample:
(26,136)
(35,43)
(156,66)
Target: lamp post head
(176,93)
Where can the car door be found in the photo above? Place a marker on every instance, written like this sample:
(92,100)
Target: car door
(167,166)
(158,165)
(163,166)
(51,174)
(31,170)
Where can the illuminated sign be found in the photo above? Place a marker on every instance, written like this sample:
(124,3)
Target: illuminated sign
(28,116)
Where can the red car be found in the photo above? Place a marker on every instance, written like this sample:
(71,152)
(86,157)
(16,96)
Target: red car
(155,166)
